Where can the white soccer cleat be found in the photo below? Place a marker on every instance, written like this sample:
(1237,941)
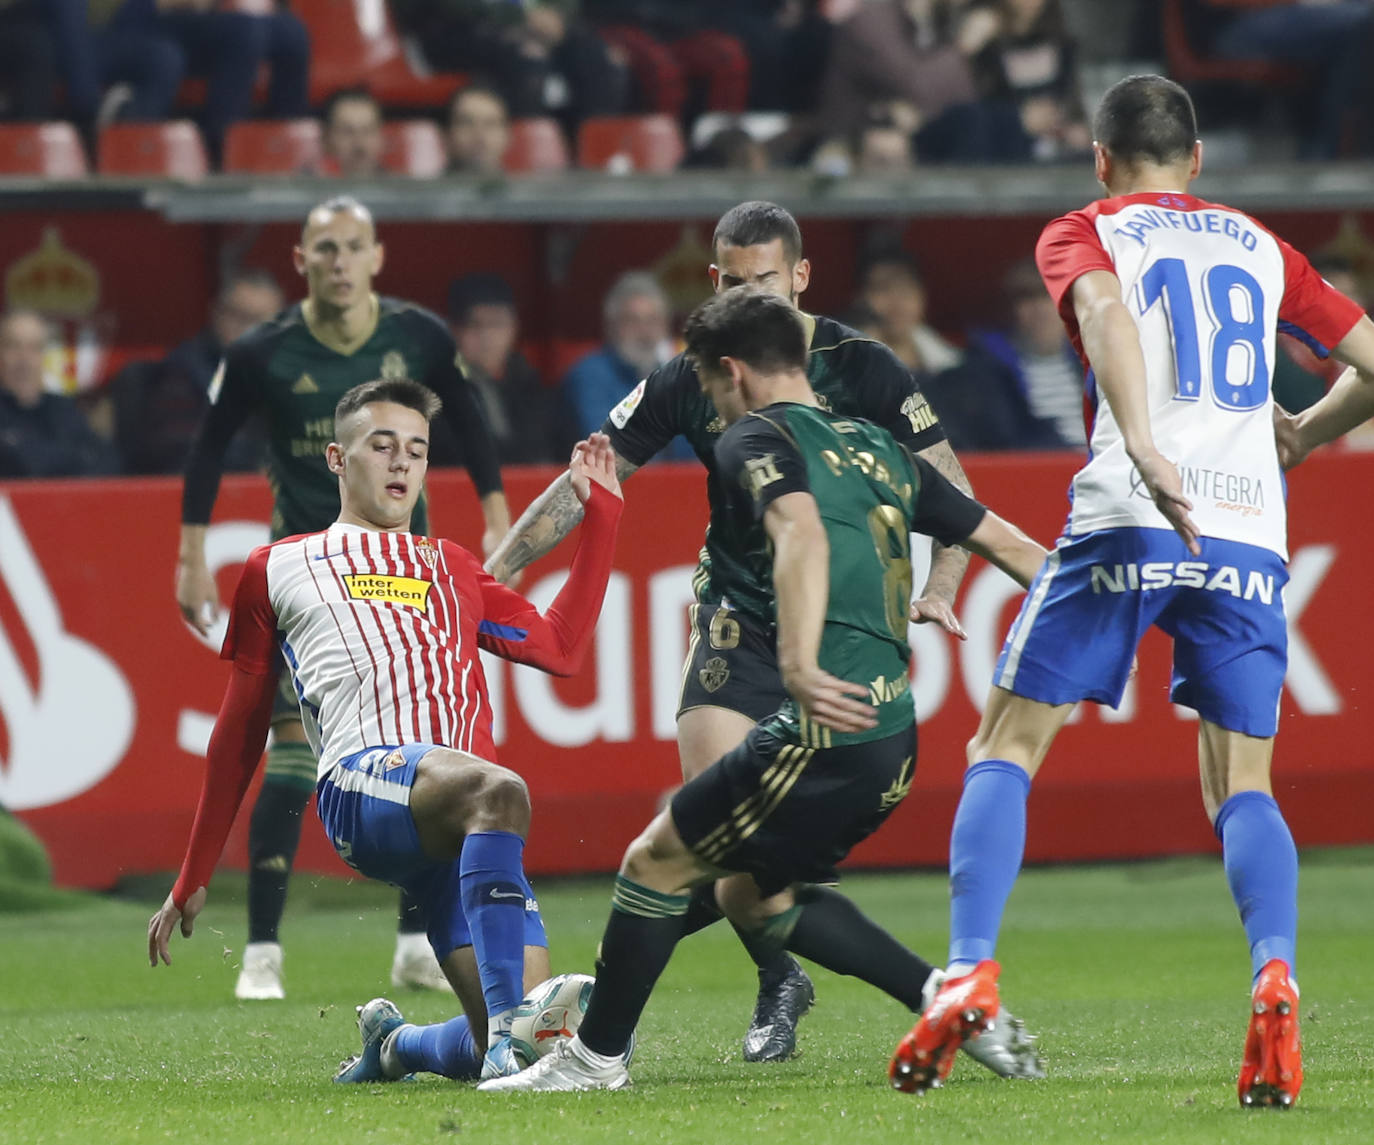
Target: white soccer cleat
(1006,1048)
(414,966)
(260,977)
(566,1068)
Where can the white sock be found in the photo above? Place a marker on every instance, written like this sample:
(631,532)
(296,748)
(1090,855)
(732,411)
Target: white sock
(408,944)
(591,1058)
(391,1063)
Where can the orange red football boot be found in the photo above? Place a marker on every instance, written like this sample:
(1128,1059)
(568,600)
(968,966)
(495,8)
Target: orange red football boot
(962,1008)
(1271,1068)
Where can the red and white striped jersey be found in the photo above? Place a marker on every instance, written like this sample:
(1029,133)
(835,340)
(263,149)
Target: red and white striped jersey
(1209,288)
(381,632)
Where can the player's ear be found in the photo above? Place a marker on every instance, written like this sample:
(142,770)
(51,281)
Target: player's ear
(1102,163)
(714,272)
(334,458)
(1195,164)
(298,259)
(801,276)
(378,257)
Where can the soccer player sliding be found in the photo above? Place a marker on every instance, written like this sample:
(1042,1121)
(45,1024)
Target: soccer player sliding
(380,630)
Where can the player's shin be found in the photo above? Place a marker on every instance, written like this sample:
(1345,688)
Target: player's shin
(491,882)
(832,932)
(274,834)
(447,1049)
(1262,870)
(641,933)
(986,847)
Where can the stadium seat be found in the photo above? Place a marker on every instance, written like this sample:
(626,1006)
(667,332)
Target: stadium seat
(52,150)
(172,150)
(630,143)
(353,42)
(413,147)
(273,146)
(1190,66)
(536,145)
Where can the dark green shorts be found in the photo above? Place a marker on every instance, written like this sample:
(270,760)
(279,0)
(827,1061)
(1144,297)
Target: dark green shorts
(285,705)
(732,663)
(785,813)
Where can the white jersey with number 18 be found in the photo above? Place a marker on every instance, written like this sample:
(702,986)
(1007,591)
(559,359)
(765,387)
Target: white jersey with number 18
(1209,288)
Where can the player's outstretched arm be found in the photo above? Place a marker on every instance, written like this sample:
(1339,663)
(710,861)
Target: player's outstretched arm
(1001,543)
(551,517)
(1112,345)
(235,748)
(801,585)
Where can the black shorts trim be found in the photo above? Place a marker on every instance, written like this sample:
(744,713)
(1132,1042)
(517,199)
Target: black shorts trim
(731,663)
(786,812)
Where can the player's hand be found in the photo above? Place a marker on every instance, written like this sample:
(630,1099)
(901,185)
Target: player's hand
(593,460)
(1166,490)
(161,924)
(929,610)
(197,595)
(1288,438)
(830,701)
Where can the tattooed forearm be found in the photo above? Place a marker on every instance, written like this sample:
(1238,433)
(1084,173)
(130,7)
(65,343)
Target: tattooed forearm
(948,563)
(551,517)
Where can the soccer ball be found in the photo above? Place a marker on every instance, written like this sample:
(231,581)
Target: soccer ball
(550,1011)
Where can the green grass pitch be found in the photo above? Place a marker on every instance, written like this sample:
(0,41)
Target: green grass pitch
(1135,977)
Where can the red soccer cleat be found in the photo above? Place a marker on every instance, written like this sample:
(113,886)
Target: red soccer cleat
(1271,1070)
(962,1008)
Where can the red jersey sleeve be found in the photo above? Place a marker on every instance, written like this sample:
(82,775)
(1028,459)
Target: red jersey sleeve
(251,640)
(232,757)
(557,641)
(1313,310)
(1068,249)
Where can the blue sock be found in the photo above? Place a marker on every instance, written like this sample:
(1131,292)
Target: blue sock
(492,885)
(1262,868)
(446,1048)
(985,852)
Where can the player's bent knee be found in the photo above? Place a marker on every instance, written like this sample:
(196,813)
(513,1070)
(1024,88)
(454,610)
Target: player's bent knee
(503,803)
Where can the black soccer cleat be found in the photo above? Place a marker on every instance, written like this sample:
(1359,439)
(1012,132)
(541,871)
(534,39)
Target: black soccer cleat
(783,998)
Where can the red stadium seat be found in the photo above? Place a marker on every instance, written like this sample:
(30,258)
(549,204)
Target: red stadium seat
(172,150)
(273,146)
(536,145)
(52,150)
(413,147)
(353,42)
(630,143)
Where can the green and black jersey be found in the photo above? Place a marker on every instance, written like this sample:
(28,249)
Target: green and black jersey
(287,373)
(851,374)
(871,494)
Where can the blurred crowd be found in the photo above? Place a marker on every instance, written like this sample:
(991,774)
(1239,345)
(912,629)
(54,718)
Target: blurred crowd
(497,87)
(1010,381)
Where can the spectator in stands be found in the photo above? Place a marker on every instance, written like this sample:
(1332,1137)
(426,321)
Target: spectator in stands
(352,134)
(28,62)
(527,419)
(158,406)
(682,64)
(1018,387)
(732,148)
(637,343)
(907,59)
(41,434)
(883,149)
(894,292)
(164,41)
(539,55)
(1330,39)
(1024,60)
(785,41)
(478,131)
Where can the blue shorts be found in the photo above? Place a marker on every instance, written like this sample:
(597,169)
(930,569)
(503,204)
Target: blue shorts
(364,804)
(1096,594)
